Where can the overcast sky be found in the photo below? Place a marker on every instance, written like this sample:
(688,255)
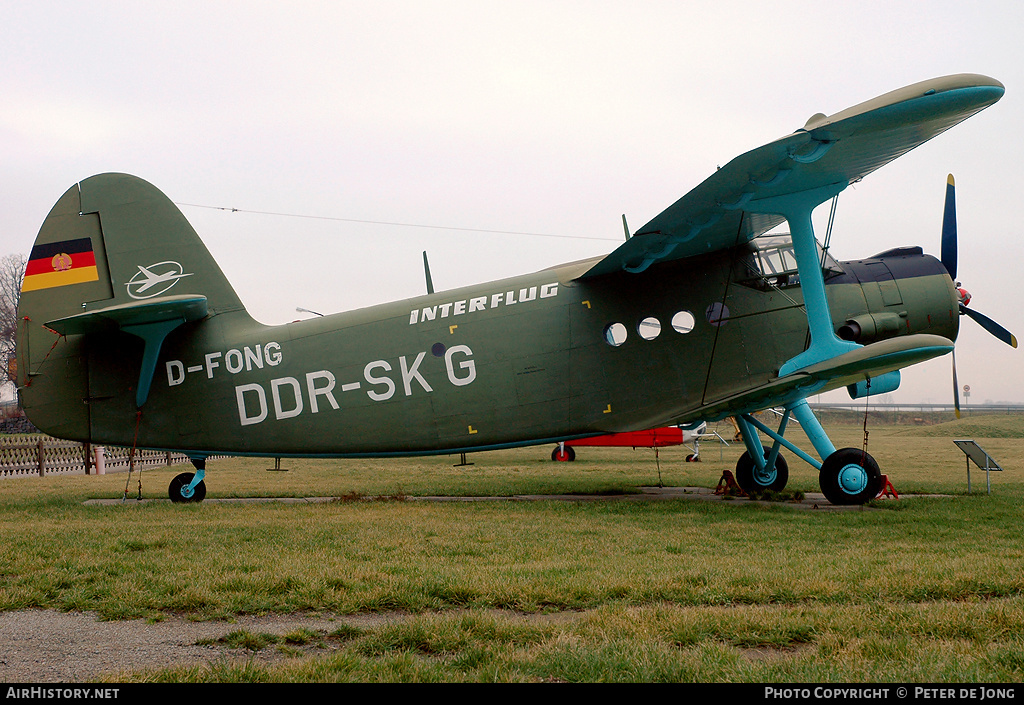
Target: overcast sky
(546,119)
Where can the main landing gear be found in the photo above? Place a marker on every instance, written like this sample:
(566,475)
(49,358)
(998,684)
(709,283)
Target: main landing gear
(189,487)
(754,477)
(847,476)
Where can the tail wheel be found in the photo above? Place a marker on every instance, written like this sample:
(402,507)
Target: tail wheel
(850,476)
(750,479)
(179,491)
(564,454)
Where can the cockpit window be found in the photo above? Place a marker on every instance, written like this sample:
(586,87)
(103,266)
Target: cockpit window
(772,262)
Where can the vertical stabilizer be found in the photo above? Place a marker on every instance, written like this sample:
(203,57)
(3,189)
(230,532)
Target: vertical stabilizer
(151,249)
(114,256)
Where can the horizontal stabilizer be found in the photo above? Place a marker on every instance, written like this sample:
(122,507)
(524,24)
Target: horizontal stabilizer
(152,320)
(180,309)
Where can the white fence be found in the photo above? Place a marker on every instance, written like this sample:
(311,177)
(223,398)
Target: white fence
(42,456)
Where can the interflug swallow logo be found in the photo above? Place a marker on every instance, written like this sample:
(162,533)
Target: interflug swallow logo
(155,279)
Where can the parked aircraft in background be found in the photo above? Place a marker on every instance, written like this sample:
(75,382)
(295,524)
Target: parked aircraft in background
(650,438)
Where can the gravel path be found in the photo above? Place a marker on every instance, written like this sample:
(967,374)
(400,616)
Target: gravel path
(44,646)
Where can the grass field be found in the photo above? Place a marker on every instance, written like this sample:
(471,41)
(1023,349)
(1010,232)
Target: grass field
(916,589)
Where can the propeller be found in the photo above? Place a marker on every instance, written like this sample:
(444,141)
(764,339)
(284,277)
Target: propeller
(948,255)
(949,261)
(956,387)
(989,325)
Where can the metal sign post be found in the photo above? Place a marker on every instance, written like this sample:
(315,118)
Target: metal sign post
(982,459)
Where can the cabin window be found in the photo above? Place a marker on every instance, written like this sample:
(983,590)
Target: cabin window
(717,314)
(649,328)
(683,322)
(615,334)
(772,262)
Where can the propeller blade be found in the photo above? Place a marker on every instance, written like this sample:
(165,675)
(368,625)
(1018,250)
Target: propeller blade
(949,246)
(956,388)
(991,326)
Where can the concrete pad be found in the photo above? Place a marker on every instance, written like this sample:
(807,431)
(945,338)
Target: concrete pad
(811,500)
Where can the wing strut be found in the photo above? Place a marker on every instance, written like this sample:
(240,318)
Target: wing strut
(846,476)
(796,208)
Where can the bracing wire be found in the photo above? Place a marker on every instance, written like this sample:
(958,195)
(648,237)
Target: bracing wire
(828,230)
(393,224)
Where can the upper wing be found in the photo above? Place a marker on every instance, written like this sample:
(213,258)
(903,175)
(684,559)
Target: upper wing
(841,148)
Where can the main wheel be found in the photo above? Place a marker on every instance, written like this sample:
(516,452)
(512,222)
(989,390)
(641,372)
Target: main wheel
(178,489)
(850,476)
(750,479)
(566,455)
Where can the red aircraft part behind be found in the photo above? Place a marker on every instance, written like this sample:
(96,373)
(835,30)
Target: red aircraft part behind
(651,438)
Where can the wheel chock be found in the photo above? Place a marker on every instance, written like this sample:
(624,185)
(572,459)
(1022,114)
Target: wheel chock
(728,485)
(887,490)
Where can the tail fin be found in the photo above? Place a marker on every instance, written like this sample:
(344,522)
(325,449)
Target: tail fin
(141,246)
(113,254)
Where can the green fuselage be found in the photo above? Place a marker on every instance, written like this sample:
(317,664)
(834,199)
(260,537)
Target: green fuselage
(525,360)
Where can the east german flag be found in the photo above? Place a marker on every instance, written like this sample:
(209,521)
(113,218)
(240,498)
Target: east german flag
(60,264)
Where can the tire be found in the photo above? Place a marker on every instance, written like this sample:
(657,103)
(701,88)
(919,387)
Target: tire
(850,476)
(566,456)
(178,485)
(747,478)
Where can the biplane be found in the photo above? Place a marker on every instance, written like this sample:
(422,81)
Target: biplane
(130,334)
